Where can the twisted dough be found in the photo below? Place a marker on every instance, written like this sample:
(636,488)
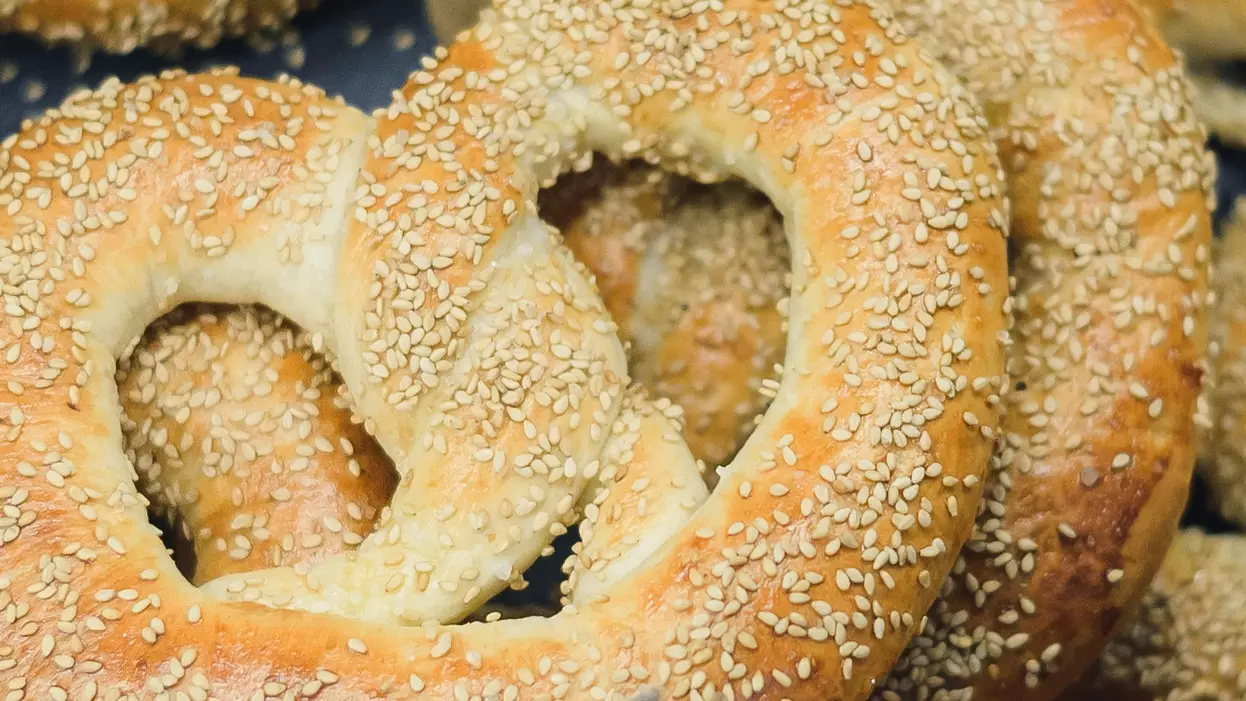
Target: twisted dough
(486,367)
(120,26)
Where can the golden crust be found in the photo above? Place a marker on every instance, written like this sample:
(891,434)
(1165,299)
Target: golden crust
(444,284)
(696,278)
(120,26)
(240,439)
(1185,643)
(1111,286)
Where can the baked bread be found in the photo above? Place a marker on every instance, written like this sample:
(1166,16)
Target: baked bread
(1099,445)
(696,279)
(488,370)
(1185,644)
(120,26)
(240,438)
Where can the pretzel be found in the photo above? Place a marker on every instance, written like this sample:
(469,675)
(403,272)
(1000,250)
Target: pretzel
(122,26)
(1077,515)
(1185,644)
(486,366)
(235,427)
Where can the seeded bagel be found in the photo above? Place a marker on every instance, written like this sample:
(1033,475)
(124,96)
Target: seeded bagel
(486,366)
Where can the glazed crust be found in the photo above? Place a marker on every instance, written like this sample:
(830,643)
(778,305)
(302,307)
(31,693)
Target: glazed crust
(120,26)
(444,284)
(1088,484)
(240,439)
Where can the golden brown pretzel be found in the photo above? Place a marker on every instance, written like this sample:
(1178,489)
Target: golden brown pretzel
(1111,219)
(1185,644)
(485,365)
(239,437)
(1088,485)
(120,26)
(1078,512)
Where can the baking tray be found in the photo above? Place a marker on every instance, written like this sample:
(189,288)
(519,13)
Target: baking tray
(362,50)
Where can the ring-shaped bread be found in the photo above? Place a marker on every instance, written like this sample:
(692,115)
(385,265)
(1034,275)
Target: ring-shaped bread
(1111,220)
(486,366)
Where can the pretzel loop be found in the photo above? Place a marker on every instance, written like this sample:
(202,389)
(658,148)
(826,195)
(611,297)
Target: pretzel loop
(486,366)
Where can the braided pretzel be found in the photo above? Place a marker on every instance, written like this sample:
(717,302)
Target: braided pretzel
(121,26)
(1186,642)
(450,302)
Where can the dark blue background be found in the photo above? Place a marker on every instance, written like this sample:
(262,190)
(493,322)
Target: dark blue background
(365,74)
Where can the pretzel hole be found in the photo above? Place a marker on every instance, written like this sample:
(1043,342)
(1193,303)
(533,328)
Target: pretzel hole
(224,407)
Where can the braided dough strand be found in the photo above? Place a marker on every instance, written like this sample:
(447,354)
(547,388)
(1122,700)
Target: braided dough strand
(464,331)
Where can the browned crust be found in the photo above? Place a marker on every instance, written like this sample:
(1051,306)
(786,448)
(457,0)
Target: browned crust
(785,489)
(1108,343)
(1185,642)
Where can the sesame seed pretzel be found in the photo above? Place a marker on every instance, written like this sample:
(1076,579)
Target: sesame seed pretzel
(120,26)
(486,366)
(1111,281)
